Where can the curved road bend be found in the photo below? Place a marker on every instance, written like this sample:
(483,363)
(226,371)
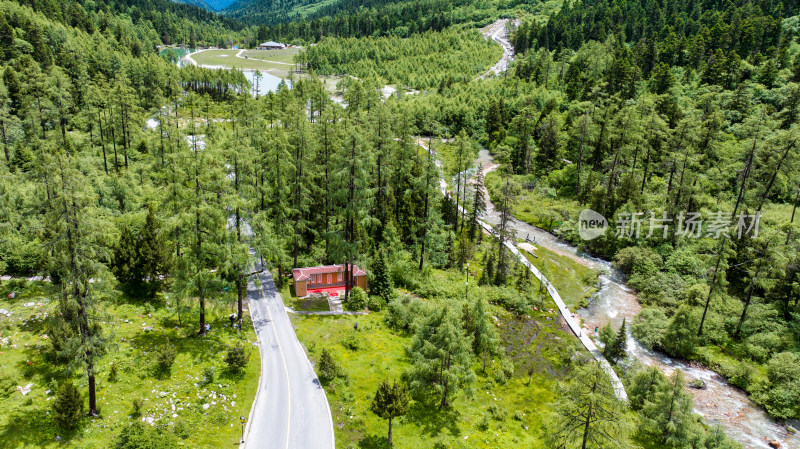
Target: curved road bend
(290,410)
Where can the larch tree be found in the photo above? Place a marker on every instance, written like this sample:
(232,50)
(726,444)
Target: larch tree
(589,415)
(351,201)
(669,415)
(441,355)
(485,342)
(391,401)
(509,193)
(198,270)
(74,247)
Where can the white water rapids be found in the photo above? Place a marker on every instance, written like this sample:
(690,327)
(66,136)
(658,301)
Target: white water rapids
(720,402)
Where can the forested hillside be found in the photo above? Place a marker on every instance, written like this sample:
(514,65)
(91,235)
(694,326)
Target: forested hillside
(140,189)
(349,18)
(421,61)
(671,109)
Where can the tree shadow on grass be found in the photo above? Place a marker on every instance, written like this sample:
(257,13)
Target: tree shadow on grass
(187,341)
(30,426)
(37,363)
(374,442)
(432,421)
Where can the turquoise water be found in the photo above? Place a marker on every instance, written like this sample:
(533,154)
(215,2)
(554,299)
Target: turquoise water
(267,82)
(178,52)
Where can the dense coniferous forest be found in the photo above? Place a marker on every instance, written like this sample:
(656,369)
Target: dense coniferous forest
(375,18)
(130,182)
(670,108)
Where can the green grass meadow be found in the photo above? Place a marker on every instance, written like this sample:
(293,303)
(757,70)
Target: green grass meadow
(493,415)
(175,401)
(575,282)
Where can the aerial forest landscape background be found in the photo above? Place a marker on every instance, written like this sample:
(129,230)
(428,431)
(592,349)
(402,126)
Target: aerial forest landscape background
(168,166)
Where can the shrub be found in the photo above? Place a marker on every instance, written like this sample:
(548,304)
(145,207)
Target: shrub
(484,423)
(136,410)
(352,342)
(376,303)
(497,412)
(763,345)
(112,373)
(664,289)
(209,373)
(165,357)
(8,383)
(358,299)
(182,430)
(328,368)
(504,371)
(141,436)
(649,326)
(637,260)
(236,358)
(68,406)
(403,311)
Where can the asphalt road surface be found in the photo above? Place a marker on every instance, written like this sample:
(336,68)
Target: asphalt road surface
(290,410)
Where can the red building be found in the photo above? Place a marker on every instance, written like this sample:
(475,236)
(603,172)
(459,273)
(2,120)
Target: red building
(329,277)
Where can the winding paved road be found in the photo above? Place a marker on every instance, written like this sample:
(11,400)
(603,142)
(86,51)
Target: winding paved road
(290,410)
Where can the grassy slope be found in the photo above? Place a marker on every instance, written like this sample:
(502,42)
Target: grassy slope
(535,343)
(286,56)
(24,422)
(574,282)
(382,355)
(545,211)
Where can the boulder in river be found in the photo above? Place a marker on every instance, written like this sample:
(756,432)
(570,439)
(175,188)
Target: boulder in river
(698,384)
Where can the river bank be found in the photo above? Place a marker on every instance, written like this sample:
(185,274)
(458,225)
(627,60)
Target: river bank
(719,402)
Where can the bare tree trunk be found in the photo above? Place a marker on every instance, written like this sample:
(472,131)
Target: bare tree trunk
(711,288)
(774,175)
(745,177)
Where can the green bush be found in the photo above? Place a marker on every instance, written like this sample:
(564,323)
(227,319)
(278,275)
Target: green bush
(352,342)
(376,303)
(358,299)
(165,357)
(783,398)
(8,383)
(403,311)
(236,358)
(649,326)
(637,260)
(209,373)
(141,436)
(182,430)
(663,289)
(497,412)
(327,367)
(763,345)
(136,407)
(68,406)
(112,373)
(483,424)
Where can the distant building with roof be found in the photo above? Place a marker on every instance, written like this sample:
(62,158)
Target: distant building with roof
(326,278)
(271,46)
